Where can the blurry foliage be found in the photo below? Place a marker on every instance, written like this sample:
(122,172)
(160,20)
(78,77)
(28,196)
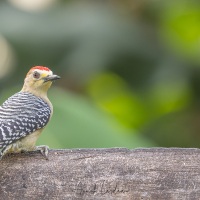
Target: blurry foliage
(167,97)
(79,124)
(130,69)
(111,93)
(181,27)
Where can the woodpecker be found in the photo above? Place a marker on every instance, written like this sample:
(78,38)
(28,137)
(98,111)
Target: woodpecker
(24,115)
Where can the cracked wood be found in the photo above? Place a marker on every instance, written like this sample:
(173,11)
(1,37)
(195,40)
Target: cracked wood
(116,173)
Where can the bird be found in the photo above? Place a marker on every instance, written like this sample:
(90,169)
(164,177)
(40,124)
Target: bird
(24,115)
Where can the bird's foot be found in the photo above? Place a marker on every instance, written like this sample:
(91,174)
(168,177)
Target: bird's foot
(43,150)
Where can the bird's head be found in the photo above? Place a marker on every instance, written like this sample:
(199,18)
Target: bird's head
(39,79)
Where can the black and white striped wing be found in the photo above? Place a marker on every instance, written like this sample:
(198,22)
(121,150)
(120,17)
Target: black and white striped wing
(22,114)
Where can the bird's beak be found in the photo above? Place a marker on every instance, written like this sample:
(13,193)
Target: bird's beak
(51,78)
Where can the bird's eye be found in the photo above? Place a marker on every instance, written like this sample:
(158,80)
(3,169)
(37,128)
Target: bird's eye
(36,75)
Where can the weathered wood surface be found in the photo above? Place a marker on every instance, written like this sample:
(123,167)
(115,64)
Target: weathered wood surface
(139,174)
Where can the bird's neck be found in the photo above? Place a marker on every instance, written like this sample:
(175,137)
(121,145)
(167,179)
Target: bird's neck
(39,92)
(42,93)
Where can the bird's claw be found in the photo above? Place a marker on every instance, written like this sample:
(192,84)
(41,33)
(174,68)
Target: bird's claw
(44,150)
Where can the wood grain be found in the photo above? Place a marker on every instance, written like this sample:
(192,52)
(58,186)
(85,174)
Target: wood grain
(116,173)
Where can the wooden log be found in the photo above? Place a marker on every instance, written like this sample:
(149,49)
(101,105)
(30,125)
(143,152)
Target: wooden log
(116,173)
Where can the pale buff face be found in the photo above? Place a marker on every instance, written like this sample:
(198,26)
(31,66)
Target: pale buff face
(35,79)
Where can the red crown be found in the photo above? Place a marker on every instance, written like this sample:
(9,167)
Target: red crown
(41,68)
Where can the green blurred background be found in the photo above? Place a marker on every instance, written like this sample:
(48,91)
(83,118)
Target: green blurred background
(130,69)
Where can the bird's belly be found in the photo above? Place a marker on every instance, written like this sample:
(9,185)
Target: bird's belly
(25,144)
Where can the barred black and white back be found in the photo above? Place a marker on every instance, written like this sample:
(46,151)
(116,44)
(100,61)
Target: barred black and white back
(22,114)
